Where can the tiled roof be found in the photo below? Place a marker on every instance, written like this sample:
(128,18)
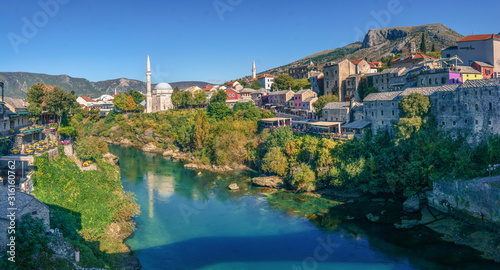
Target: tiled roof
(382,96)
(22,200)
(321,77)
(247,90)
(357,61)
(310,99)
(359,124)
(282,92)
(427,91)
(478,37)
(87,99)
(483,64)
(468,69)
(266,76)
(481,83)
(336,105)
(300,92)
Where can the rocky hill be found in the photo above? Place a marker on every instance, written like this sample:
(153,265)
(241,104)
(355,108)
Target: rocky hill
(18,83)
(383,42)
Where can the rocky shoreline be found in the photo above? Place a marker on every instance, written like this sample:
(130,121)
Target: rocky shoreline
(419,213)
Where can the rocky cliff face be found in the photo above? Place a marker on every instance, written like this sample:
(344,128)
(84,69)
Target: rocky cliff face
(437,34)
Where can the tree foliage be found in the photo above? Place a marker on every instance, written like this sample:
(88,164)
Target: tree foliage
(283,82)
(414,105)
(301,84)
(256,85)
(219,97)
(120,102)
(275,162)
(322,101)
(138,97)
(130,104)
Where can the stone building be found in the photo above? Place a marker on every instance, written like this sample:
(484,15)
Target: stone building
(471,109)
(484,48)
(485,69)
(266,81)
(281,98)
(25,204)
(442,76)
(335,75)
(305,72)
(302,95)
(160,99)
(317,84)
(449,52)
(387,80)
(381,109)
(364,67)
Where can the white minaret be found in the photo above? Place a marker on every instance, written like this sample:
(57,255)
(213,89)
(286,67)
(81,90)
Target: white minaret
(254,71)
(149,99)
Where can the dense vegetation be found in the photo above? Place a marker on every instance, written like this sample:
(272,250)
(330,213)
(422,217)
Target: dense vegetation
(403,163)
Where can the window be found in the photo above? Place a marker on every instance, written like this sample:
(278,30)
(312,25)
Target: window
(34,213)
(453,81)
(454,108)
(466,121)
(454,123)
(393,112)
(430,81)
(382,122)
(490,106)
(477,107)
(443,109)
(382,112)
(422,81)
(443,124)
(490,92)
(373,114)
(477,122)
(489,122)
(436,80)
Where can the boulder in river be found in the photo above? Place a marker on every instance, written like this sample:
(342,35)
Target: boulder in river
(233,186)
(412,204)
(406,224)
(372,218)
(271,181)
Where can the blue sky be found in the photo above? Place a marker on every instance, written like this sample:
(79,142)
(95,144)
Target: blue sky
(206,40)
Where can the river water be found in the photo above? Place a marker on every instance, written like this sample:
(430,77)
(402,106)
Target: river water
(191,221)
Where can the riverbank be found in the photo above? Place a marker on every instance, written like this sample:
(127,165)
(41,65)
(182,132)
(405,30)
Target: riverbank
(90,208)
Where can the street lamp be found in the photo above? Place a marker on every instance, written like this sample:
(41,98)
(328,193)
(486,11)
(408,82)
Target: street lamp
(1,85)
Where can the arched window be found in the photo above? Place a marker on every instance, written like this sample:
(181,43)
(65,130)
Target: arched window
(443,81)
(453,81)
(436,80)
(422,81)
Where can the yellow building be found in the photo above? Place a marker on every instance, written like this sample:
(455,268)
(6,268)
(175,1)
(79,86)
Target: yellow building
(470,73)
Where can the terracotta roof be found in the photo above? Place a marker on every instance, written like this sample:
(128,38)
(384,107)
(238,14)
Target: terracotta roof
(87,99)
(478,37)
(357,62)
(267,75)
(483,64)
(321,77)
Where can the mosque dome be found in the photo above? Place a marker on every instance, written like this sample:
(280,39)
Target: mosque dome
(163,86)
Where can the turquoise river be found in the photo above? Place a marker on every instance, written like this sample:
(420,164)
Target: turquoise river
(191,221)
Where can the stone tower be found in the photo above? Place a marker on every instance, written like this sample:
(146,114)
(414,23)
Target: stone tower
(254,71)
(149,99)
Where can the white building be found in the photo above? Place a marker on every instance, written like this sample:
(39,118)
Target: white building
(85,101)
(266,81)
(160,99)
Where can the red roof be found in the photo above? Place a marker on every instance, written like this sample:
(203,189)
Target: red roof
(415,56)
(357,62)
(207,87)
(478,37)
(267,76)
(87,99)
(321,77)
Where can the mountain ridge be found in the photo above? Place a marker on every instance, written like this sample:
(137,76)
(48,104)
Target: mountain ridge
(18,83)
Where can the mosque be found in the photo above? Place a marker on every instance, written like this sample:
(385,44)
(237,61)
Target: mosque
(161,97)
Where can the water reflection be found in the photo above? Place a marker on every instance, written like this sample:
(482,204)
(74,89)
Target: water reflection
(196,222)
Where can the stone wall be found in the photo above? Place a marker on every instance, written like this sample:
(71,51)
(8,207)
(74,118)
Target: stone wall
(478,198)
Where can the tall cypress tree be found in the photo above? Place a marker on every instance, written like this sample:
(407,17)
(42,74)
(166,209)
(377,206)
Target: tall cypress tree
(423,48)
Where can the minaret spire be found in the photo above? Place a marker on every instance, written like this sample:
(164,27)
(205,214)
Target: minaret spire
(149,100)
(254,70)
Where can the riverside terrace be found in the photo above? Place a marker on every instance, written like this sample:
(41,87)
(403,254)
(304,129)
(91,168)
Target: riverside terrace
(324,129)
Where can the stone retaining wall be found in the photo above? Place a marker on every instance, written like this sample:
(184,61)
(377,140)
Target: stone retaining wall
(479,198)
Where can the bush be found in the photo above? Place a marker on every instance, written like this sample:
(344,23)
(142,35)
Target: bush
(303,178)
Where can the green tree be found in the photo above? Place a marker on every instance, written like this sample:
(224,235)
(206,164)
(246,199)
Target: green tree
(120,102)
(201,129)
(301,84)
(423,47)
(303,178)
(218,110)
(35,110)
(60,101)
(256,85)
(283,82)
(413,105)
(138,97)
(433,47)
(275,162)
(219,97)
(130,104)
(200,97)
(35,94)
(279,138)
(229,148)
(32,243)
(322,101)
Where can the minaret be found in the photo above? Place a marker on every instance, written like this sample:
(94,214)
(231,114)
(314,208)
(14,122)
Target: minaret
(254,71)
(149,99)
